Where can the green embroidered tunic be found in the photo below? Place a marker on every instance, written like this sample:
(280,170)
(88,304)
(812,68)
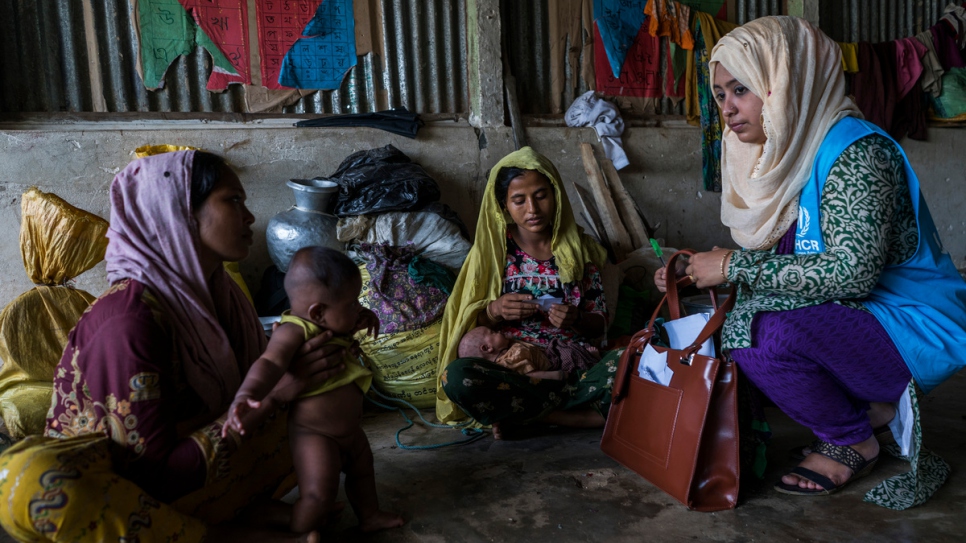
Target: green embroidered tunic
(867,222)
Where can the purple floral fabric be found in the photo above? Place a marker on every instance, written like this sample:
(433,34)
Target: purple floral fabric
(396,298)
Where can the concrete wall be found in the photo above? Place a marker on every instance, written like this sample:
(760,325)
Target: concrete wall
(77,162)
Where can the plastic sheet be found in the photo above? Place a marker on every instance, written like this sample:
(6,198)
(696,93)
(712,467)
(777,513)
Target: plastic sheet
(951,104)
(150,150)
(433,237)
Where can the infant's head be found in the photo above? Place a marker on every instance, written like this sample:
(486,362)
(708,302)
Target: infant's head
(482,342)
(323,286)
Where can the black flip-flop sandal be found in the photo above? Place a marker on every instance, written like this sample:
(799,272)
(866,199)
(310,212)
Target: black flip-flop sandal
(844,455)
(883,434)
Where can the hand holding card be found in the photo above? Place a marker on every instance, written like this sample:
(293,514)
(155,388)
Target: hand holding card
(545,302)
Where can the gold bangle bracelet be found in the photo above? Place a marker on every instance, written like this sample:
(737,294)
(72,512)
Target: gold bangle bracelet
(492,317)
(724,275)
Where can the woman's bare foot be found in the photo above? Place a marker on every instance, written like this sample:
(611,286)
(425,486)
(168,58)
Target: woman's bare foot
(838,473)
(382,520)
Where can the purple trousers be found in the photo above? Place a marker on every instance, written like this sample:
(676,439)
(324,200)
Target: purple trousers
(822,365)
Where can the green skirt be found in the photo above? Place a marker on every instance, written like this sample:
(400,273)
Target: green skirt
(491,393)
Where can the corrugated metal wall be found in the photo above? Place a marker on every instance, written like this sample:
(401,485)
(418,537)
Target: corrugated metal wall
(527,39)
(844,20)
(747,10)
(878,20)
(525,25)
(47,66)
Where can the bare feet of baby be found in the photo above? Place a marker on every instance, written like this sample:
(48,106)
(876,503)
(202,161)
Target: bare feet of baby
(381,520)
(497,431)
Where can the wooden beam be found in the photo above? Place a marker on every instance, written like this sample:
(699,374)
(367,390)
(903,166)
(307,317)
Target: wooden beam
(619,239)
(94,57)
(625,206)
(591,217)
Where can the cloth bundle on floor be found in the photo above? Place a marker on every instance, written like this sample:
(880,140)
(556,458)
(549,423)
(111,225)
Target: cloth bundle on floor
(403,358)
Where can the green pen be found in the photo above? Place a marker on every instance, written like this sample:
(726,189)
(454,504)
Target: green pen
(657,251)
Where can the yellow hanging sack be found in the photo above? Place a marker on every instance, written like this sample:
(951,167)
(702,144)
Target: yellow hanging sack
(58,242)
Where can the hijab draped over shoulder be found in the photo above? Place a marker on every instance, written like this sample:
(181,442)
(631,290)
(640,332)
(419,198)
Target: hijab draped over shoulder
(154,239)
(481,279)
(796,71)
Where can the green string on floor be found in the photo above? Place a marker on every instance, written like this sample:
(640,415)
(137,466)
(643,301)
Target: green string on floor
(472,434)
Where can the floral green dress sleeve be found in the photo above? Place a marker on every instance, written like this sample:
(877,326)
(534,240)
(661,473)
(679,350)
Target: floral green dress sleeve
(866,220)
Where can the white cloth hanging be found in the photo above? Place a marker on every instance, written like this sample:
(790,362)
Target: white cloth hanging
(605,118)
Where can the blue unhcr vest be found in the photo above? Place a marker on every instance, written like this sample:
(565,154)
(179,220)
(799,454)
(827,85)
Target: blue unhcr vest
(921,302)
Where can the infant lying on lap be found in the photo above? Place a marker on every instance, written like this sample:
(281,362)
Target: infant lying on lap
(554,361)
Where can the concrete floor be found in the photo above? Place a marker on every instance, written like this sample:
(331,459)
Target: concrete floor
(558,487)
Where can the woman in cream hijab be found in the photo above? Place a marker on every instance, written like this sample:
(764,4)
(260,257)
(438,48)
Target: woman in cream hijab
(840,264)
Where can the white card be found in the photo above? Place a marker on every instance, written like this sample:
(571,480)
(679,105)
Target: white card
(653,366)
(544,302)
(682,332)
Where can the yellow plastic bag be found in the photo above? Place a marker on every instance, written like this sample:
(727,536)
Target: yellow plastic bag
(33,333)
(58,242)
(150,150)
(403,364)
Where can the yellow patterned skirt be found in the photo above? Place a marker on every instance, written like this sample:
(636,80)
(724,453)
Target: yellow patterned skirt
(67,490)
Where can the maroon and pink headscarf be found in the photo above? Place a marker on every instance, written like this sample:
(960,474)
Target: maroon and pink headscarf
(153,238)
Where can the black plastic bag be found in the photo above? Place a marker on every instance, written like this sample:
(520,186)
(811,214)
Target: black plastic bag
(380,180)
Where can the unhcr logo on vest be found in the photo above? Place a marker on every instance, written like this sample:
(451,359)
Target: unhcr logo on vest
(807,240)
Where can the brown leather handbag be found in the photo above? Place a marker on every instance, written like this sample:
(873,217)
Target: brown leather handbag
(683,438)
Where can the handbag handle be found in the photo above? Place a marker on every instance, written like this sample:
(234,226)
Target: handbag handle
(672,299)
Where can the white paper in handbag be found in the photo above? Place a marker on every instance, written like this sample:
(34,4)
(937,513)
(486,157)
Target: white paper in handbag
(653,366)
(682,332)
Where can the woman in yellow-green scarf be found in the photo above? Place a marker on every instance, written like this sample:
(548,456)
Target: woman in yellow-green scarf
(527,247)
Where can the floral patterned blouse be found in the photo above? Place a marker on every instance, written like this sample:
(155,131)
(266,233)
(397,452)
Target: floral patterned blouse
(525,274)
(119,376)
(867,222)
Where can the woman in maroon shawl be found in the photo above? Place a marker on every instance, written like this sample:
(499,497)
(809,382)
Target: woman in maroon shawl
(133,447)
